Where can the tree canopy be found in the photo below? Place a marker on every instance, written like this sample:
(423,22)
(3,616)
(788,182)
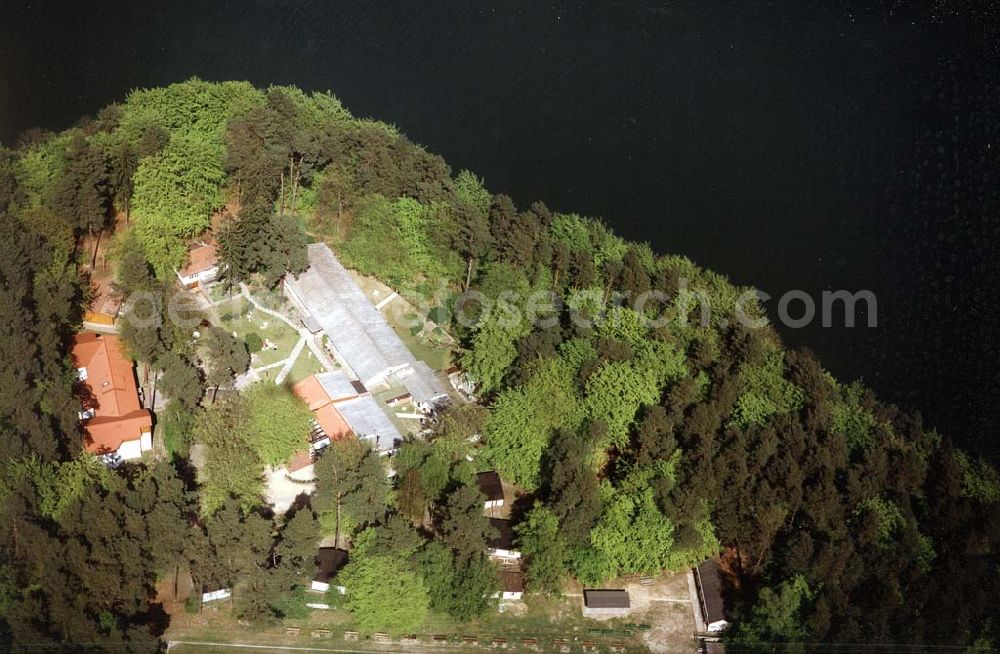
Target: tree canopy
(644,437)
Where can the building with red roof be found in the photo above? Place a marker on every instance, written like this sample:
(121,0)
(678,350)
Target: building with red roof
(114,422)
(202,265)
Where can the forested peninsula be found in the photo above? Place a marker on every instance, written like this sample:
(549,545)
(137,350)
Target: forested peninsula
(638,440)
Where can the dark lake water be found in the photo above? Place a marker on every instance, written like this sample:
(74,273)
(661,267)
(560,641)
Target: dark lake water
(788,144)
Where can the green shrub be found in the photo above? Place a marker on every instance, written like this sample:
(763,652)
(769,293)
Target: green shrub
(293,604)
(439,315)
(254,342)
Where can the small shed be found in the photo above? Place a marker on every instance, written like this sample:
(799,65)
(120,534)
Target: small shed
(606,602)
(490,485)
(399,399)
(328,561)
(501,545)
(708,579)
(310,323)
(215,595)
(202,265)
(511,585)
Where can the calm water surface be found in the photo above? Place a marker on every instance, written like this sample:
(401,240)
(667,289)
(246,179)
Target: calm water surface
(787,144)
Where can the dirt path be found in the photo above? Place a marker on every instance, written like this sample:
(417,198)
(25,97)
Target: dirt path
(386,647)
(171,644)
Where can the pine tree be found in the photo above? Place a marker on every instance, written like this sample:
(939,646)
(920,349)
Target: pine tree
(227,355)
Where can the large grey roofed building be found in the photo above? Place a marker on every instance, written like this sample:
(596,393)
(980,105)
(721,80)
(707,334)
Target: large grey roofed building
(327,295)
(337,385)
(369,421)
(422,384)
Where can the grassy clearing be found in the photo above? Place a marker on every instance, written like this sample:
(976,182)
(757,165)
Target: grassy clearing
(268,298)
(235,317)
(422,342)
(545,620)
(173,438)
(306,364)
(217,292)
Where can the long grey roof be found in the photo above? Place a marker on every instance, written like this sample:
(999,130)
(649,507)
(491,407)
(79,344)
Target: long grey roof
(348,318)
(368,420)
(336,384)
(422,383)
(354,326)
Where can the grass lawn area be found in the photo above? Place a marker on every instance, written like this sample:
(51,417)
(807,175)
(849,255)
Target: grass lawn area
(269,298)
(218,292)
(402,319)
(172,439)
(170,427)
(234,317)
(545,621)
(306,364)
(436,357)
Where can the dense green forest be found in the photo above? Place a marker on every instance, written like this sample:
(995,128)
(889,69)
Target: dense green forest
(642,445)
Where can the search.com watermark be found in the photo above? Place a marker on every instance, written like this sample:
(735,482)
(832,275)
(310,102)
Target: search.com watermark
(657,309)
(584,308)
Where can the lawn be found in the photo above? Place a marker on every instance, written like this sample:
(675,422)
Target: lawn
(218,292)
(170,427)
(172,439)
(431,349)
(235,318)
(546,620)
(306,364)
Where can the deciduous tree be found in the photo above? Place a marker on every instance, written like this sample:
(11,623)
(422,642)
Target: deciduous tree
(544,550)
(277,422)
(383,593)
(351,484)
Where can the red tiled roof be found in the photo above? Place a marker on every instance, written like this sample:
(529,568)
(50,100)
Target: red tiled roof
(319,402)
(310,391)
(201,257)
(112,393)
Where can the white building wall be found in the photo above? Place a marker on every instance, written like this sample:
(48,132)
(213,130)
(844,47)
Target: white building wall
(222,593)
(203,277)
(130,450)
(505,554)
(322,587)
(717,627)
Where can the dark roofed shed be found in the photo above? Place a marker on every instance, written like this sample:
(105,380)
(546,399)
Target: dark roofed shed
(504,539)
(489,484)
(709,580)
(511,581)
(606,598)
(328,561)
